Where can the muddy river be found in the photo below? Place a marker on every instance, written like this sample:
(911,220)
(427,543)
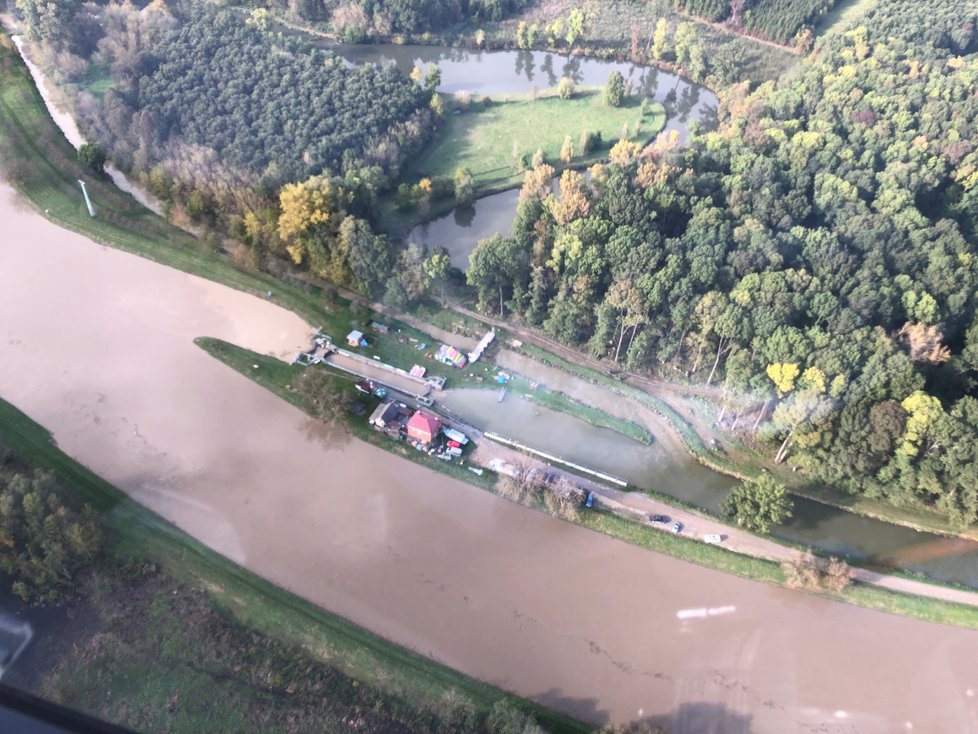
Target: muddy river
(96,345)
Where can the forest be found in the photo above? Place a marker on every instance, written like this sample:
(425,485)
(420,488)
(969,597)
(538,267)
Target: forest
(779,20)
(358,19)
(216,82)
(812,261)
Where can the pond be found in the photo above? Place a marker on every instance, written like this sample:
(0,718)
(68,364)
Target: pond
(518,72)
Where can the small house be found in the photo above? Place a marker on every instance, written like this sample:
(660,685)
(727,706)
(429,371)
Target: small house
(423,427)
(379,327)
(384,414)
(355,339)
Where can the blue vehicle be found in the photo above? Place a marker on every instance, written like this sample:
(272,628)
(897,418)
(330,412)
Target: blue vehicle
(590,500)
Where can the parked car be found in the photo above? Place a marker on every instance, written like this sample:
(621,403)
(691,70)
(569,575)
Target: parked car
(659,518)
(713,538)
(590,499)
(677,527)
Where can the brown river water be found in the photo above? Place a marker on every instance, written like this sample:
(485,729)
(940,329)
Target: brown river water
(97,345)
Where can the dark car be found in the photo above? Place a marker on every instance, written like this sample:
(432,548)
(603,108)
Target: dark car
(659,518)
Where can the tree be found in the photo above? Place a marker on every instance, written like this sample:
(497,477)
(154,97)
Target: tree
(494,266)
(521,35)
(432,78)
(660,40)
(321,394)
(685,39)
(565,87)
(45,544)
(614,91)
(436,267)
(92,156)
(464,185)
(576,25)
(783,376)
(369,254)
(567,150)
(758,504)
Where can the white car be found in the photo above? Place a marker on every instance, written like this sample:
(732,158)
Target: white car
(713,538)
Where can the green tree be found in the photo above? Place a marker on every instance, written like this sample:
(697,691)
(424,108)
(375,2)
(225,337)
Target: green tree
(614,91)
(321,394)
(758,504)
(576,26)
(45,544)
(464,185)
(432,78)
(92,156)
(436,267)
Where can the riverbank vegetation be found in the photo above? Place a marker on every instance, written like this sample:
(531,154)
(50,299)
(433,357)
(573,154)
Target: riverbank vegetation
(819,280)
(228,650)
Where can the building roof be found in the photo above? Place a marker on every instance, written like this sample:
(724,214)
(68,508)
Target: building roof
(423,426)
(354,335)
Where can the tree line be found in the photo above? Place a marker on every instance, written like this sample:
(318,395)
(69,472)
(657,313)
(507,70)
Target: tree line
(812,261)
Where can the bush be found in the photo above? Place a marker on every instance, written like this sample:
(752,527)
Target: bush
(566,88)
(92,157)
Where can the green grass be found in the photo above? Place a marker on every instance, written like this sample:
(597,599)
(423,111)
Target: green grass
(484,137)
(136,532)
(843,16)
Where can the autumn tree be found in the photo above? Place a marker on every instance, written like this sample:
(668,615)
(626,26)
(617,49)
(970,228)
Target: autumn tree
(567,150)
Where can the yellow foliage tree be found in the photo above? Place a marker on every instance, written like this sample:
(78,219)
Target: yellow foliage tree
(624,152)
(567,150)
(783,375)
(813,379)
(923,411)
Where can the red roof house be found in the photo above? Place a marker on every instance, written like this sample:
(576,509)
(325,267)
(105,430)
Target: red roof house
(423,427)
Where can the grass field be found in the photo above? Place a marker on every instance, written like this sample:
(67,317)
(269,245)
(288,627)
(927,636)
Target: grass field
(298,633)
(485,137)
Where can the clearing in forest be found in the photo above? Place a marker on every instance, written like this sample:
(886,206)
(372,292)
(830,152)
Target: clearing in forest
(490,137)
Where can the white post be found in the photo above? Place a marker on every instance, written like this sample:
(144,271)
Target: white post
(88,202)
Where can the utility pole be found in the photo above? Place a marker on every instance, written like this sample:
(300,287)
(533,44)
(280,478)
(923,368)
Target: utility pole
(88,202)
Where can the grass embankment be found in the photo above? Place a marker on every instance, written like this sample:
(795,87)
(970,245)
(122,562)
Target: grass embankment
(280,379)
(485,137)
(274,653)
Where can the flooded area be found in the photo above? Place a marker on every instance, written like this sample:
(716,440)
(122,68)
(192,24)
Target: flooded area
(666,467)
(570,618)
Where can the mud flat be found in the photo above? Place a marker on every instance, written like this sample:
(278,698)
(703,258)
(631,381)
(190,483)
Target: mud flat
(97,346)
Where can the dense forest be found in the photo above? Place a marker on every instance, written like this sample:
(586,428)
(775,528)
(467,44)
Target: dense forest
(779,20)
(812,260)
(218,83)
(357,19)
